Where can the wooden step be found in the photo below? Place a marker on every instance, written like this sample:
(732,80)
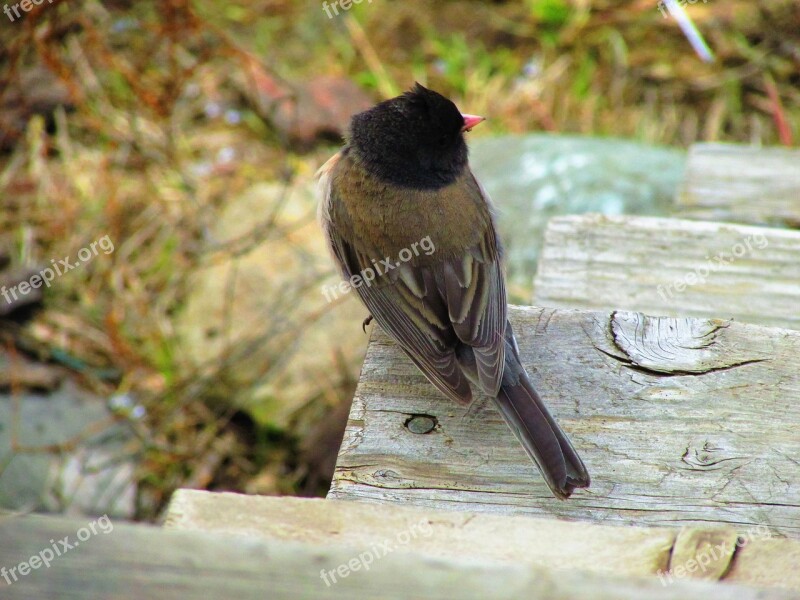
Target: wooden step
(671,267)
(135,562)
(377,530)
(744,184)
(680,421)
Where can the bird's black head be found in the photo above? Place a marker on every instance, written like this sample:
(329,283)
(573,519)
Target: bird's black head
(414,140)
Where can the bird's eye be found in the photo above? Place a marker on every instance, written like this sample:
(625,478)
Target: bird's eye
(443,140)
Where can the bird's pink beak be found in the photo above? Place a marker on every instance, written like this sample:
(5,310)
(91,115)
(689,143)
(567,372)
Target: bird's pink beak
(470,121)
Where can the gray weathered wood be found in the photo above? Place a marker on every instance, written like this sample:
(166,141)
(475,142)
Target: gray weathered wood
(680,422)
(143,562)
(671,267)
(602,549)
(744,184)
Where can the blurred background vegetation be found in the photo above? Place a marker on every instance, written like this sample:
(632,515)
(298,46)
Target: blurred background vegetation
(189,132)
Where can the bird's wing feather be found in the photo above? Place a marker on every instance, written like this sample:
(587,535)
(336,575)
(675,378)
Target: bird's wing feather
(474,289)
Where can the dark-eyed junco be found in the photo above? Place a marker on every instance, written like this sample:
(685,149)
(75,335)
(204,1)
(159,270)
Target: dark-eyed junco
(402,182)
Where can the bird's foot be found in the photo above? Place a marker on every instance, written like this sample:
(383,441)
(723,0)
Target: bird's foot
(366,322)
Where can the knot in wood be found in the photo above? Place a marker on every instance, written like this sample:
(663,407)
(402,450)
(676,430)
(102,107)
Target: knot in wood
(421,424)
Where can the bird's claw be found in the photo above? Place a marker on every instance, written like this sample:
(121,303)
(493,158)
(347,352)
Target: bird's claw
(366,322)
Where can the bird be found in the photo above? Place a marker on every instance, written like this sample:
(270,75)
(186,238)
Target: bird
(403,177)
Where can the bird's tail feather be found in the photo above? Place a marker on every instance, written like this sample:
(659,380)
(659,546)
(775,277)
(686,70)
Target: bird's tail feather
(538,432)
(529,419)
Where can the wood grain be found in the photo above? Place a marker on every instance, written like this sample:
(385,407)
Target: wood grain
(744,184)
(671,267)
(703,553)
(135,562)
(680,422)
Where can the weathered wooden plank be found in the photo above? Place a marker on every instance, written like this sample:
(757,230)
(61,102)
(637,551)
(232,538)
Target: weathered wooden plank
(668,553)
(135,562)
(671,267)
(744,184)
(680,422)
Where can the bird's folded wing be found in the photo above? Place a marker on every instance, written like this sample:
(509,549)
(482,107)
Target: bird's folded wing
(432,309)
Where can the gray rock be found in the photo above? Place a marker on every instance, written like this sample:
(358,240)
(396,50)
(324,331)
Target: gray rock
(93,476)
(534,177)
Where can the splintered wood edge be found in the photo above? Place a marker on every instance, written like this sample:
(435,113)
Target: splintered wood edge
(747,557)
